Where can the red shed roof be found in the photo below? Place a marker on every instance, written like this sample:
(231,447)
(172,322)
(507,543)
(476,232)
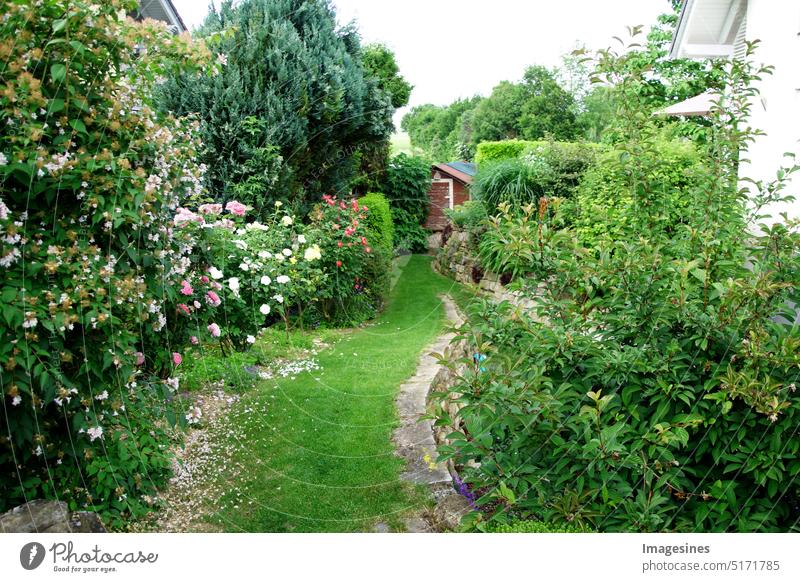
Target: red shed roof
(459,175)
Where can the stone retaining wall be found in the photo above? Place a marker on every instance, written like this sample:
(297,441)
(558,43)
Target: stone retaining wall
(458,259)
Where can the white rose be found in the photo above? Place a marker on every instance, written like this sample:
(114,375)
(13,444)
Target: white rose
(265,280)
(215,273)
(287,252)
(244,266)
(233,283)
(251,339)
(278,298)
(301,239)
(264,309)
(282,279)
(287,220)
(313,253)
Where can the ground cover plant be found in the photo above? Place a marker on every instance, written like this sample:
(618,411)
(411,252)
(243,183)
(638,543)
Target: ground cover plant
(655,388)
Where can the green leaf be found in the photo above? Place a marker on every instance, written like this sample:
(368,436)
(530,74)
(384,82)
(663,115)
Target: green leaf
(58,72)
(58,25)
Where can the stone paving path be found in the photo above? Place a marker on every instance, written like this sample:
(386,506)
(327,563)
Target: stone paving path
(415,442)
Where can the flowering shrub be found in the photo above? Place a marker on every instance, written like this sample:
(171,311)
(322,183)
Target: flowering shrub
(92,262)
(249,275)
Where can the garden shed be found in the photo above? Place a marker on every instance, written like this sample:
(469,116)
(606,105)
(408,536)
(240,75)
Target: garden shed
(450,185)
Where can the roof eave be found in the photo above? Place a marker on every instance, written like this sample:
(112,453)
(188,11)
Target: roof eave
(680,30)
(457,174)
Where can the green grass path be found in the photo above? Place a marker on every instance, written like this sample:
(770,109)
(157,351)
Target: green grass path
(318,454)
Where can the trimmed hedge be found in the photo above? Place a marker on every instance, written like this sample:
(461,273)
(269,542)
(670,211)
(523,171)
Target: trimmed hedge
(379,219)
(493,151)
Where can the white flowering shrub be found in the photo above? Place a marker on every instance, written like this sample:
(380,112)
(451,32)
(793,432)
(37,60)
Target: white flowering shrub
(92,261)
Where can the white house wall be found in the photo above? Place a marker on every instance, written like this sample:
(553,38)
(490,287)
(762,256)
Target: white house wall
(777,24)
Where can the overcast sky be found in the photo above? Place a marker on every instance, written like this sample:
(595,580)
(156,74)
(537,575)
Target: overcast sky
(458,48)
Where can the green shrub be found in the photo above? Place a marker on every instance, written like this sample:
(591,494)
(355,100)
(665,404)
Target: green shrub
(408,180)
(605,202)
(409,235)
(379,219)
(494,151)
(526,526)
(568,162)
(532,169)
(469,215)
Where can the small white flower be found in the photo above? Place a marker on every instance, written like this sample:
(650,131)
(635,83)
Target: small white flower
(16,400)
(282,279)
(244,266)
(265,280)
(264,255)
(301,239)
(3,159)
(278,204)
(251,339)
(102,396)
(95,433)
(233,283)
(278,298)
(265,309)
(287,252)
(215,273)
(287,220)
(173,383)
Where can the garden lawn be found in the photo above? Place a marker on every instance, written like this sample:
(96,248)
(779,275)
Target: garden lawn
(318,454)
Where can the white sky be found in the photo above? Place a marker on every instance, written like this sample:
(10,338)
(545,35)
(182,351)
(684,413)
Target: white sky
(458,48)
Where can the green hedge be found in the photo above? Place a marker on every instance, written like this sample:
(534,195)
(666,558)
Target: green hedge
(604,201)
(379,219)
(493,151)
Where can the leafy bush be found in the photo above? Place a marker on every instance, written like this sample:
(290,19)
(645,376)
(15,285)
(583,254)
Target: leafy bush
(495,151)
(605,203)
(408,180)
(653,385)
(526,526)
(409,235)
(568,162)
(91,177)
(379,219)
(469,215)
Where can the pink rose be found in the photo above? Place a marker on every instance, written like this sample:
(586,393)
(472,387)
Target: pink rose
(236,208)
(185,308)
(139,358)
(194,340)
(210,209)
(186,289)
(213,299)
(214,330)
(186,215)
(204,279)
(176,358)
